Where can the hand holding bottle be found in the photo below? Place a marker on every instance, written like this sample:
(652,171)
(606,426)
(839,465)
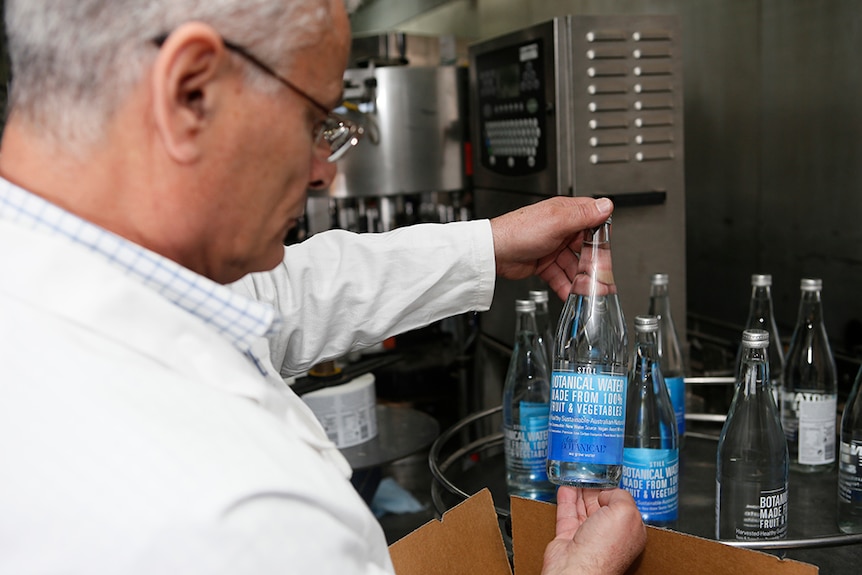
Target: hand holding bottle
(597,532)
(588,382)
(545,239)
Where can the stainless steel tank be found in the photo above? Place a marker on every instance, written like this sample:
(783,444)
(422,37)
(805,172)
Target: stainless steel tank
(415,122)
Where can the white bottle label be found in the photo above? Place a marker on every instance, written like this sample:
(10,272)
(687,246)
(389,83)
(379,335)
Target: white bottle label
(817,428)
(850,473)
(746,512)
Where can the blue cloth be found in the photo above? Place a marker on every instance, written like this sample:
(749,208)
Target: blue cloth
(390,497)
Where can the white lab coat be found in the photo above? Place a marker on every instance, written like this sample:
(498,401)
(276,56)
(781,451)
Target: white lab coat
(337,294)
(135,439)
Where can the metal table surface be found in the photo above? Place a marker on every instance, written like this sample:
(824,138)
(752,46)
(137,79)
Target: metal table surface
(401,431)
(812,506)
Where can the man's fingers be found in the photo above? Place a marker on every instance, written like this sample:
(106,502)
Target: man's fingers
(571,511)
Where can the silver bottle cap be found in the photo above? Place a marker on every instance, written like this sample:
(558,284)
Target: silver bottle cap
(756,338)
(761,280)
(659,279)
(811,284)
(539,296)
(523,305)
(646,323)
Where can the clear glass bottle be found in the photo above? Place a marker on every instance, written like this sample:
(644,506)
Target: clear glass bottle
(543,322)
(525,411)
(762,316)
(752,463)
(590,371)
(669,349)
(650,447)
(850,462)
(809,398)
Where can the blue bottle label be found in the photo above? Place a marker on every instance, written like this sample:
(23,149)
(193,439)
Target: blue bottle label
(652,478)
(527,444)
(587,417)
(676,390)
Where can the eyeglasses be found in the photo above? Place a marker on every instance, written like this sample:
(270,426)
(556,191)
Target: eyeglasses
(338,132)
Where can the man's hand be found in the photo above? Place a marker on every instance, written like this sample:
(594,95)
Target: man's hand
(598,532)
(545,238)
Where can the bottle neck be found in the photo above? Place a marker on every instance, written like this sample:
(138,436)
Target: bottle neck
(595,275)
(646,346)
(528,350)
(525,322)
(810,309)
(542,318)
(753,377)
(600,234)
(659,302)
(761,301)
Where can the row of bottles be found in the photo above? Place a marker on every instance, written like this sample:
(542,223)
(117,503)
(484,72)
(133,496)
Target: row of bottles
(805,384)
(601,422)
(650,460)
(585,397)
(587,392)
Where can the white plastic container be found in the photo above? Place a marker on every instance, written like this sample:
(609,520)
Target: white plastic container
(348,411)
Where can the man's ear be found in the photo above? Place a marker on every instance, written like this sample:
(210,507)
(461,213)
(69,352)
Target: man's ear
(185,87)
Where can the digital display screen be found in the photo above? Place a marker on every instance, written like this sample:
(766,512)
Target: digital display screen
(509,81)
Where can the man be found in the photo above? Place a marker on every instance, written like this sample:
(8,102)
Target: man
(155,150)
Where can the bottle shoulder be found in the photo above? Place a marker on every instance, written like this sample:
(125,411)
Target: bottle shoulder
(851,418)
(754,416)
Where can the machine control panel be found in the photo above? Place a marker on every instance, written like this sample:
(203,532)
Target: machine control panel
(512,109)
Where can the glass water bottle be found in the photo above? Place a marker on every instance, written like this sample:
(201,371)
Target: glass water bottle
(850,463)
(650,449)
(762,316)
(752,462)
(525,411)
(588,385)
(809,398)
(669,349)
(543,322)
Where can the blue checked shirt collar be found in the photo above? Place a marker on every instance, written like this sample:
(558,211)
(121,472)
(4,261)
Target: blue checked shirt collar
(239,319)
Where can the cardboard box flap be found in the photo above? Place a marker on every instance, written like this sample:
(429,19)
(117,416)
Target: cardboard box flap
(667,552)
(533,527)
(467,540)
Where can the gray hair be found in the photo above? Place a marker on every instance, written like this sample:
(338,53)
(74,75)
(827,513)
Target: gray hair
(74,62)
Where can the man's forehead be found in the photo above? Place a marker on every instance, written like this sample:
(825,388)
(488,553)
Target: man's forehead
(321,66)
